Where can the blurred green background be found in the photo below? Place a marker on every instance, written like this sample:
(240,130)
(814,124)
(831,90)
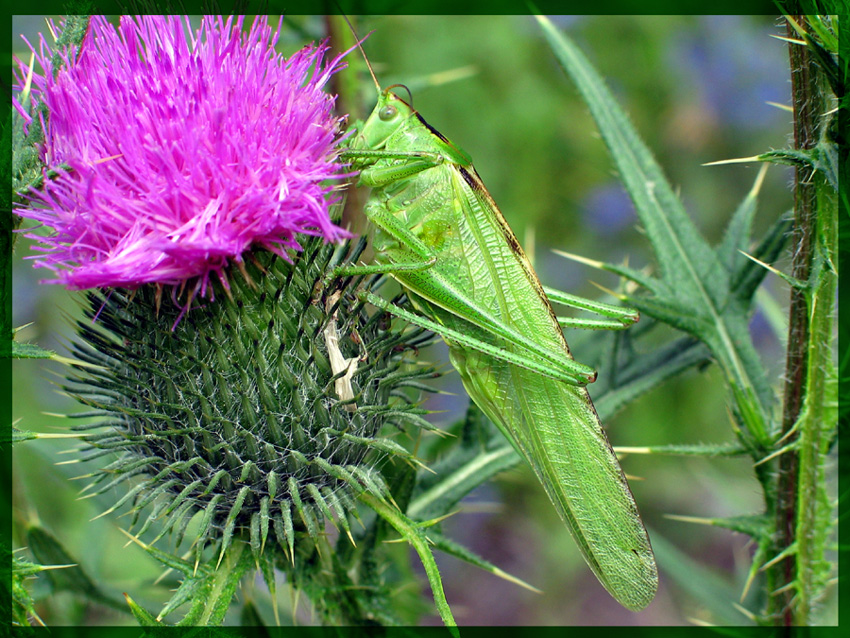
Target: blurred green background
(697,89)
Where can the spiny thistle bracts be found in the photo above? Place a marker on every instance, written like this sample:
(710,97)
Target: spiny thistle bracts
(235,416)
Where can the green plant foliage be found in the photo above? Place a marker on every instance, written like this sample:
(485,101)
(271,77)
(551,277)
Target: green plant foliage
(709,293)
(71,578)
(22,605)
(232,441)
(699,289)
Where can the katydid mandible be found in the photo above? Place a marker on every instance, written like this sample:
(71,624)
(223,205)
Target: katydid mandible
(437,231)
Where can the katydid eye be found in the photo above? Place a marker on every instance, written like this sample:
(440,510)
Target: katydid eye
(387,113)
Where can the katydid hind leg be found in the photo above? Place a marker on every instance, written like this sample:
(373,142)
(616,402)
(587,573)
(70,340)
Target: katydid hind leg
(443,296)
(508,357)
(618,317)
(568,370)
(440,291)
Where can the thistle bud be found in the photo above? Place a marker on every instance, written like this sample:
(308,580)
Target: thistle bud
(241,416)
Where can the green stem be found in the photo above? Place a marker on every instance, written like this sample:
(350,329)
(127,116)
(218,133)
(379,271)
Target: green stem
(782,582)
(223,584)
(412,533)
(816,422)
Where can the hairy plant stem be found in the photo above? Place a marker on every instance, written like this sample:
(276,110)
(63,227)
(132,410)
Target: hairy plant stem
(235,563)
(808,106)
(815,422)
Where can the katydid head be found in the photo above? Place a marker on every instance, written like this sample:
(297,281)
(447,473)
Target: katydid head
(386,119)
(394,125)
(388,115)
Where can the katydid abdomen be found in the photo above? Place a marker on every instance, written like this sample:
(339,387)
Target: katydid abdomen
(436,230)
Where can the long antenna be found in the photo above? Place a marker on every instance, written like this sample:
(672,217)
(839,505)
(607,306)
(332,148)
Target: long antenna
(360,46)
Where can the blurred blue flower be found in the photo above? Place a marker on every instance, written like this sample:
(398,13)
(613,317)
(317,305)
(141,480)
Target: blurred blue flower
(733,83)
(566,21)
(608,209)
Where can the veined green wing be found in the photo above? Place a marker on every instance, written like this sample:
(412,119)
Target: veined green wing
(552,424)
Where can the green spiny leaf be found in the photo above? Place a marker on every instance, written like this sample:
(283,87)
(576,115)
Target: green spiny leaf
(823,158)
(254,537)
(319,500)
(413,535)
(694,289)
(142,615)
(264,521)
(284,529)
(648,371)
(711,450)
(176,517)
(30,351)
(739,229)
(756,526)
(206,524)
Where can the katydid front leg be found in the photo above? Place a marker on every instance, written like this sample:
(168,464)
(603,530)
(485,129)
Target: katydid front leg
(377,176)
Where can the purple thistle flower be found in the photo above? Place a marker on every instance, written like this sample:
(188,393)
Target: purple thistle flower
(186,150)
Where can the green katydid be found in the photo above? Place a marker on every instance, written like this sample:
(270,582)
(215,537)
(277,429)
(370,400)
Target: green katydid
(437,231)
